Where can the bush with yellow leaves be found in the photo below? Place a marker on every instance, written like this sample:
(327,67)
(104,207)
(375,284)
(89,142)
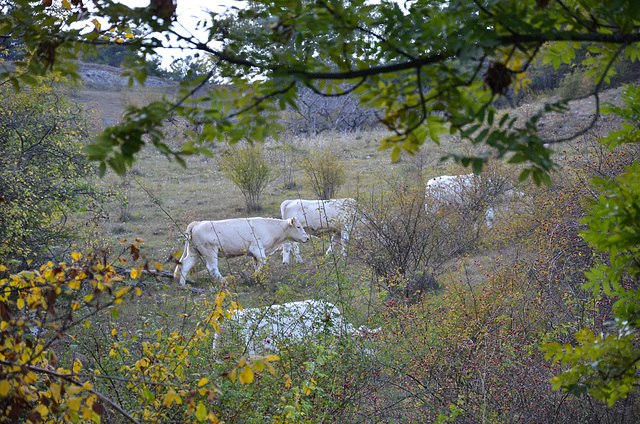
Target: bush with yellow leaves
(42,381)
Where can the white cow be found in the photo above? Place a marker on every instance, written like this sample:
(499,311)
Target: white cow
(458,190)
(264,329)
(335,216)
(228,238)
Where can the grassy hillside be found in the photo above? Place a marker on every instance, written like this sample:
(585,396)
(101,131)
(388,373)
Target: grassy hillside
(159,197)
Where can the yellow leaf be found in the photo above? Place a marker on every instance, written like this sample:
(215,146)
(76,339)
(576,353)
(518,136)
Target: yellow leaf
(74,284)
(203,381)
(5,386)
(73,389)
(241,362)
(77,366)
(76,255)
(122,291)
(138,291)
(87,324)
(129,35)
(201,412)
(42,410)
(30,377)
(270,368)
(258,365)
(170,397)
(87,413)
(55,391)
(74,403)
(114,332)
(3,268)
(246,376)
(20,303)
(97,24)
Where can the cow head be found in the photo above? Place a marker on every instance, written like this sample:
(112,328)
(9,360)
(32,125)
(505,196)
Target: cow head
(296,231)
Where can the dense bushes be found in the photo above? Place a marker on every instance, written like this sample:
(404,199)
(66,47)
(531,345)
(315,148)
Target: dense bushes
(407,233)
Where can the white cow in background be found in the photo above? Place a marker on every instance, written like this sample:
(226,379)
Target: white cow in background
(459,190)
(264,329)
(228,238)
(336,216)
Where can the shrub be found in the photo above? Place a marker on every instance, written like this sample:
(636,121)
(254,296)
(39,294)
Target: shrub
(399,240)
(67,355)
(324,173)
(285,157)
(576,84)
(44,176)
(248,169)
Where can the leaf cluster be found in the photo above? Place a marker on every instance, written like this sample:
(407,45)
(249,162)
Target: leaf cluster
(432,67)
(606,364)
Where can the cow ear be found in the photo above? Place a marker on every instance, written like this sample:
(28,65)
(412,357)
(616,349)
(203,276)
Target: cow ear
(291,223)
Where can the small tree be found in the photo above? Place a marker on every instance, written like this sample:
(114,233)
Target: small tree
(402,243)
(248,169)
(324,173)
(44,176)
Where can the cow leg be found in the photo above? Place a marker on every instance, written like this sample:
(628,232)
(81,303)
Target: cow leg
(488,214)
(332,242)
(287,247)
(211,261)
(344,240)
(188,261)
(296,252)
(286,252)
(259,257)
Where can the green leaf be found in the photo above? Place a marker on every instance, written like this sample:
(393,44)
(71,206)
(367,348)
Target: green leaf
(395,154)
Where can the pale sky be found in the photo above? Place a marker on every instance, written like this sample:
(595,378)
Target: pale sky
(189,13)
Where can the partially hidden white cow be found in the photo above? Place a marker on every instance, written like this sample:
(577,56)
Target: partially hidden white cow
(457,190)
(265,329)
(336,216)
(228,238)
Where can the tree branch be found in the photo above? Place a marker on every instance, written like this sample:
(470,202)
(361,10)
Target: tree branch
(69,378)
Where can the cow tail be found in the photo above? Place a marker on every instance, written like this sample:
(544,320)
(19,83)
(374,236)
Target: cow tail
(185,252)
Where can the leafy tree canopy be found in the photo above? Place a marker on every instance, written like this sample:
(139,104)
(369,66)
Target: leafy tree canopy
(431,67)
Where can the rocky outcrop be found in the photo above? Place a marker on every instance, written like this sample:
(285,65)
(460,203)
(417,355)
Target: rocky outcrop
(110,76)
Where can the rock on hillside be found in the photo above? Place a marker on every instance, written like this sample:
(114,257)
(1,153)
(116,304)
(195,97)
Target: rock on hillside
(96,75)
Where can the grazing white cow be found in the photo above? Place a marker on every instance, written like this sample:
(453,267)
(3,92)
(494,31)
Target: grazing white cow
(459,190)
(264,329)
(335,216)
(228,238)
